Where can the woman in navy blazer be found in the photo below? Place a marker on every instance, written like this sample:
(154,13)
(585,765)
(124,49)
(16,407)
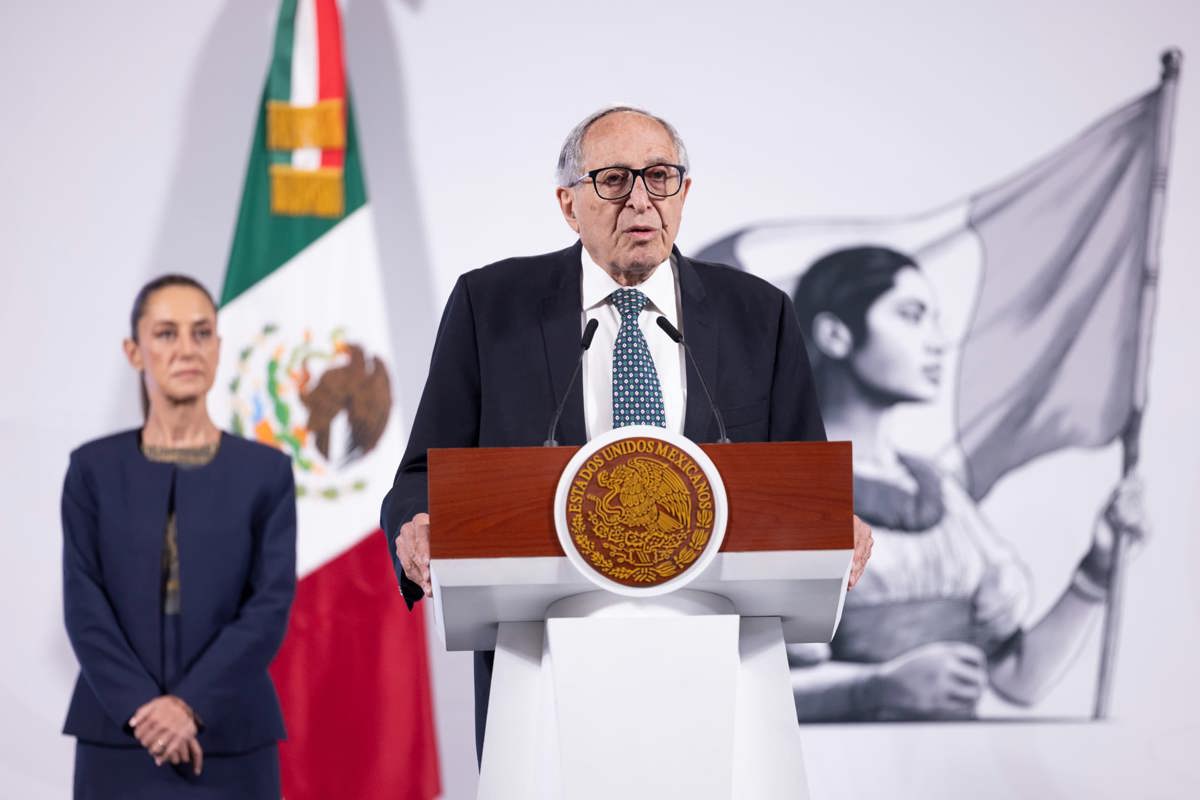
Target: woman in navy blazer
(178,573)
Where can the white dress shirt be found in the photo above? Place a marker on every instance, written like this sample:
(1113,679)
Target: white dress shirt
(662,292)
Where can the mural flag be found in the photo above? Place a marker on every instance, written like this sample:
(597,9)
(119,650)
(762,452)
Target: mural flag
(1046,271)
(307,368)
(1063,246)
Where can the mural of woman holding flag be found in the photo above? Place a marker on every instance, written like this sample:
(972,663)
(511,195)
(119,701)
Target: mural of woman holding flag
(938,617)
(1045,285)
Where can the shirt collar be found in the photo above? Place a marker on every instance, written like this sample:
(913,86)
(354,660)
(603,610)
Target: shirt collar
(660,288)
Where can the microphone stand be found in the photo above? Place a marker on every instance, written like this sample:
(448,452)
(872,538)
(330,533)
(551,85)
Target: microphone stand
(589,331)
(677,337)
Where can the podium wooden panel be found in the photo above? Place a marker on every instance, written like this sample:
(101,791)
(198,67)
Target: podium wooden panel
(565,648)
(498,502)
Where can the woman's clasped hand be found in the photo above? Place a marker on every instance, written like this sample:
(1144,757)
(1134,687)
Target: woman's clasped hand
(166,727)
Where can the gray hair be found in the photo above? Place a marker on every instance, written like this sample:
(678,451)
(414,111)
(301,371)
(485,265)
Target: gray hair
(570,158)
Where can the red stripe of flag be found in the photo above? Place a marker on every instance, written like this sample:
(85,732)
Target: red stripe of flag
(353,678)
(331,75)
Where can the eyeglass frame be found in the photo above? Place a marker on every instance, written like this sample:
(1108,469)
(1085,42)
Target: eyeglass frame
(636,173)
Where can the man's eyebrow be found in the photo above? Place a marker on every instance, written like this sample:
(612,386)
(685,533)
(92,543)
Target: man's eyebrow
(653,161)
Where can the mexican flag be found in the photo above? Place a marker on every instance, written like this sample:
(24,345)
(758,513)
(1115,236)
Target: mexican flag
(306,367)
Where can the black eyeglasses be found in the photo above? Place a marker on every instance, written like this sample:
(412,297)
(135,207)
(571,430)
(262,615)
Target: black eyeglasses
(616,183)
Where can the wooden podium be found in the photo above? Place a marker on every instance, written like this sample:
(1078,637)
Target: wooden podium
(686,694)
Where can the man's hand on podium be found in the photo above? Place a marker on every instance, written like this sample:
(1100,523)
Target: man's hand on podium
(412,548)
(863,541)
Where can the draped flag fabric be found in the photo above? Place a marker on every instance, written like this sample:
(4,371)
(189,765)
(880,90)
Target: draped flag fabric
(1040,284)
(306,367)
(1064,247)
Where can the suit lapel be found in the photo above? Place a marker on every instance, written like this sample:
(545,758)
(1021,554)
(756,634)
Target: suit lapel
(560,312)
(700,332)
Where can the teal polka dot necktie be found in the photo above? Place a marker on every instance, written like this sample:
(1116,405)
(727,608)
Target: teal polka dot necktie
(636,394)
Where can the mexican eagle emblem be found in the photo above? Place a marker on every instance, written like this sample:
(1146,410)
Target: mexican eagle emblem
(325,401)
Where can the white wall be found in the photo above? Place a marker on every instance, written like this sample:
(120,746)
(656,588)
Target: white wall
(126,131)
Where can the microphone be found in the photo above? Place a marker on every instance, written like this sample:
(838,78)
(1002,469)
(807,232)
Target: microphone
(677,337)
(589,331)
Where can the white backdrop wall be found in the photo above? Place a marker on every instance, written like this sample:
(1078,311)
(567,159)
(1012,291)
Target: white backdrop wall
(126,131)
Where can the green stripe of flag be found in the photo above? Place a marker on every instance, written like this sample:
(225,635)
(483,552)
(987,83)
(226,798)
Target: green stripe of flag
(279,79)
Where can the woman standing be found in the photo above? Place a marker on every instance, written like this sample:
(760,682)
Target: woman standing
(940,615)
(178,572)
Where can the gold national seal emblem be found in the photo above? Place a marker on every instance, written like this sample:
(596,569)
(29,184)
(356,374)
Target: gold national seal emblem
(640,510)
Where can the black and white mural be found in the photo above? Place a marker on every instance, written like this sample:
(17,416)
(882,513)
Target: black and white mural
(956,348)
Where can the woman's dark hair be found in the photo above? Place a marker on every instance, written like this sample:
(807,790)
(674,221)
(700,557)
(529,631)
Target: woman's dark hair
(845,283)
(139,311)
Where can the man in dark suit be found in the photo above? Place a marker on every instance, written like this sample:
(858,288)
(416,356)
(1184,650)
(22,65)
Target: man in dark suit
(510,333)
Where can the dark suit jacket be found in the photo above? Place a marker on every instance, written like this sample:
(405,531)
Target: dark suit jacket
(236,528)
(507,345)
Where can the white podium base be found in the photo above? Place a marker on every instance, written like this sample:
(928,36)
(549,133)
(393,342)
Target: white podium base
(668,697)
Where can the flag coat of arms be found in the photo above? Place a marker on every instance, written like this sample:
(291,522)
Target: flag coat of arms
(306,367)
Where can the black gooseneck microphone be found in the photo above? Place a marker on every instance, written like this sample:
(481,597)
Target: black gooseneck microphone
(677,337)
(589,331)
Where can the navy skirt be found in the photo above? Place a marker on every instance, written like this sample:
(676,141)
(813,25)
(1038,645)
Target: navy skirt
(107,773)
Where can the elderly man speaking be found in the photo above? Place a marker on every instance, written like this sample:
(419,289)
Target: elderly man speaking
(509,338)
